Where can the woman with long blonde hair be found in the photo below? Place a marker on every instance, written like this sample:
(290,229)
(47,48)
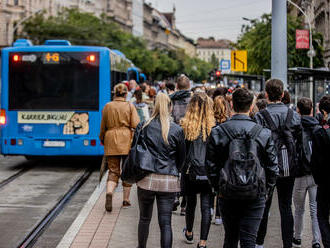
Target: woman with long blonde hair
(197,125)
(166,145)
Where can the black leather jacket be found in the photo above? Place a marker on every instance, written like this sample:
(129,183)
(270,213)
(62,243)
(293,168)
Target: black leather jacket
(170,158)
(278,112)
(218,149)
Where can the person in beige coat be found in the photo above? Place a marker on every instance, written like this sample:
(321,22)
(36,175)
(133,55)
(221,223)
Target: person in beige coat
(119,119)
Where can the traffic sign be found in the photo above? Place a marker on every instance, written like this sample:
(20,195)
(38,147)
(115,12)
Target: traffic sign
(225,64)
(239,60)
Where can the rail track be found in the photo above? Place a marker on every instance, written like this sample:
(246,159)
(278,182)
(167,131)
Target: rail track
(13,177)
(31,238)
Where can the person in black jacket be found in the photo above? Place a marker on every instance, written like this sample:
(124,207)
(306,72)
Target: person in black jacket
(304,182)
(279,114)
(165,142)
(241,218)
(321,172)
(197,125)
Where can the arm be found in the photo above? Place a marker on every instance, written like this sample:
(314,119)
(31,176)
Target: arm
(181,150)
(271,163)
(103,125)
(213,159)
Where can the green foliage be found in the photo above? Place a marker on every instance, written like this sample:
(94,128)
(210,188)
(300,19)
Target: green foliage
(256,39)
(87,29)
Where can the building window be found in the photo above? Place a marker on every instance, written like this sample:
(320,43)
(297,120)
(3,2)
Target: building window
(16,2)
(108,5)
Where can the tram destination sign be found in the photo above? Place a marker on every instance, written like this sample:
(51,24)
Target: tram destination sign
(34,117)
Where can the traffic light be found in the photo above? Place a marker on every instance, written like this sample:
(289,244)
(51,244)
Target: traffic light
(218,73)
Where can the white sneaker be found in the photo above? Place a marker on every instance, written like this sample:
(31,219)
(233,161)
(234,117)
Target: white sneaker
(259,246)
(218,221)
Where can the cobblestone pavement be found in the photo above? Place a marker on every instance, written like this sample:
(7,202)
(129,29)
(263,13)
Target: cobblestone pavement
(125,232)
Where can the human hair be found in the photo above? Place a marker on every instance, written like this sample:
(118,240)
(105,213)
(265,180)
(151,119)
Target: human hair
(138,95)
(286,97)
(220,108)
(325,103)
(242,100)
(120,90)
(274,89)
(170,86)
(261,95)
(162,110)
(152,92)
(183,82)
(221,91)
(261,104)
(199,117)
(210,92)
(305,106)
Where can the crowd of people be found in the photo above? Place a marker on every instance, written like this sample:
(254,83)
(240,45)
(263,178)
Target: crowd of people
(232,149)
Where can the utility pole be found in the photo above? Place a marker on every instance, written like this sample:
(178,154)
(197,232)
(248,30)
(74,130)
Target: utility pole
(279,41)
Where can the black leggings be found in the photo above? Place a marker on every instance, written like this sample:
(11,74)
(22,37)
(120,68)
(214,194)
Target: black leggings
(164,205)
(205,203)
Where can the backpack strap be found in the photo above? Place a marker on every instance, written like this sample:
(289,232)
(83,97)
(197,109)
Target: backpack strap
(268,119)
(255,131)
(228,132)
(289,118)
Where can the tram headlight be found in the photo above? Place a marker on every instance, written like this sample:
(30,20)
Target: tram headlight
(86,142)
(20,142)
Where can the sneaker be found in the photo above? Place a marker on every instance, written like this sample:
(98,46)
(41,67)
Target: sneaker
(176,204)
(316,245)
(199,246)
(259,246)
(296,243)
(189,239)
(108,202)
(183,212)
(218,221)
(126,204)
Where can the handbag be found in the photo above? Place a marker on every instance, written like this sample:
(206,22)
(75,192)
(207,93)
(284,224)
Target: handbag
(139,162)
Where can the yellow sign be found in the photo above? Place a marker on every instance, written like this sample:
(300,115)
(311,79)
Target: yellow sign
(239,60)
(51,58)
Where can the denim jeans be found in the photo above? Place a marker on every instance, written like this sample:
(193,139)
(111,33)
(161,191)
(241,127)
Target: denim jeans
(164,206)
(284,191)
(302,186)
(241,220)
(205,210)
(323,212)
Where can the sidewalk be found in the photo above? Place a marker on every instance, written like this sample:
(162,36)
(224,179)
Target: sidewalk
(95,228)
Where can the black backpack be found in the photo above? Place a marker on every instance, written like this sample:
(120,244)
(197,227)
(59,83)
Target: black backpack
(242,177)
(284,143)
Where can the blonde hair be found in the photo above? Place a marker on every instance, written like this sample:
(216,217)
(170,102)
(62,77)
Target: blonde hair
(199,117)
(221,109)
(162,109)
(120,90)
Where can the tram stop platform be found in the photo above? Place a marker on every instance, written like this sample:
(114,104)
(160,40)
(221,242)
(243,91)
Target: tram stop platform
(96,228)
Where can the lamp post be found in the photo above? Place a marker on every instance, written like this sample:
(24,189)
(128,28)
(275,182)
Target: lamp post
(24,19)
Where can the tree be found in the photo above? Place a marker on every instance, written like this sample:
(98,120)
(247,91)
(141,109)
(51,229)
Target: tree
(214,61)
(87,29)
(256,39)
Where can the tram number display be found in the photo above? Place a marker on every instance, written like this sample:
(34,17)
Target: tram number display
(51,58)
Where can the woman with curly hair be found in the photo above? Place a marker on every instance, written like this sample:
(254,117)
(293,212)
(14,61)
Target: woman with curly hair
(197,125)
(221,109)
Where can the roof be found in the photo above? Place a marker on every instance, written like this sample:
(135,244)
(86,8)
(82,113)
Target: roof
(211,43)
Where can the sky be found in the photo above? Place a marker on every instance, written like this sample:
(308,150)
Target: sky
(221,19)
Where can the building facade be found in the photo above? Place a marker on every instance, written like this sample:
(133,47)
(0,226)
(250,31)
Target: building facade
(206,48)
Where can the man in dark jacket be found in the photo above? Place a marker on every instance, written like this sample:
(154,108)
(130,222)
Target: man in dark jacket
(279,115)
(181,98)
(304,182)
(241,218)
(321,172)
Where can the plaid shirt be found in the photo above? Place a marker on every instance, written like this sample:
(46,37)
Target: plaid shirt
(160,183)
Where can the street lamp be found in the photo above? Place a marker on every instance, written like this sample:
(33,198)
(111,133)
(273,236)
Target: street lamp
(311,52)
(24,19)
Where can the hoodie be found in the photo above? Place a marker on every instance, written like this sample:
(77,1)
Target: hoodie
(180,100)
(304,148)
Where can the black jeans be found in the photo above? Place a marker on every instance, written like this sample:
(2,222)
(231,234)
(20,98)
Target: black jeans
(284,190)
(323,212)
(164,206)
(241,220)
(205,202)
